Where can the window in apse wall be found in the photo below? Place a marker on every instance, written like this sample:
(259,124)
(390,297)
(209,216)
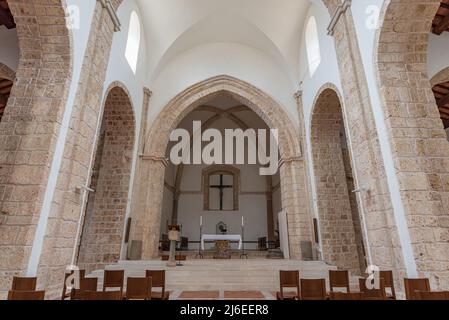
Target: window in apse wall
(133,42)
(312,46)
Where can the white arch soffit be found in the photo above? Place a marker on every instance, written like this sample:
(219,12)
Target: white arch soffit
(215,28)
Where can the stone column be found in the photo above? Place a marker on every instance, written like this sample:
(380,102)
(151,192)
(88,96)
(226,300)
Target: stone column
(147,205)
(295,201)
(270,213)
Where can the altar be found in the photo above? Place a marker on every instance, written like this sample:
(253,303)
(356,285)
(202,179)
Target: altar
(221,237)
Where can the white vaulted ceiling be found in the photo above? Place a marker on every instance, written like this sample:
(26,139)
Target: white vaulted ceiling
(274,27)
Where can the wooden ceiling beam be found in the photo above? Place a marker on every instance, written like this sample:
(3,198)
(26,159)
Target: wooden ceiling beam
(443,101)
(442,26)
(6,18)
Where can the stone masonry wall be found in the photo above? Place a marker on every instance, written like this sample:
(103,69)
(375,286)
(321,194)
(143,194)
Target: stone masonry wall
(419,143)
(29,128)
(337,229)
(104,223)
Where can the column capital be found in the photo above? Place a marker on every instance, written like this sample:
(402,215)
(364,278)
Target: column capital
(147,157)
(298,95)
(147,92)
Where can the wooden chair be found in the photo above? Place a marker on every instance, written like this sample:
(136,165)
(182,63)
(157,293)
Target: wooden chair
(339,279)
(65,293)
(389,283)
(103,295)
(24,284)
(86,284)
(421,295)
(26,295)
(346,296)
(158,281)
(289,279)
(413,285)
(313,289)
(138,288)
(114,279)
(373,294)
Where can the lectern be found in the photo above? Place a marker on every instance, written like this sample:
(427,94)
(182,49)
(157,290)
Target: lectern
(174,235)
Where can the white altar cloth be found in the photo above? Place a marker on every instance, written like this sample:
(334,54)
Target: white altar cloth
(219,237)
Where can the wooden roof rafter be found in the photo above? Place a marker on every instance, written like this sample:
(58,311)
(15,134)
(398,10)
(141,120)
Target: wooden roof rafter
(441,20)
(6,18)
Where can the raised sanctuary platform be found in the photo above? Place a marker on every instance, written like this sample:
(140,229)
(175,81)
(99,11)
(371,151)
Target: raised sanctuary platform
(235,275)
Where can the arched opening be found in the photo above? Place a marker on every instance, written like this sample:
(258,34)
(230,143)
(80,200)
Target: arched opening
(313,46)
(223,194)
(340,224)
(104,218)
(36,104)
(418,141)
(133,42)
(147,219)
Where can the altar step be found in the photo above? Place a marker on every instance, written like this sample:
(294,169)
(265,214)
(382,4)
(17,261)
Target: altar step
(235,254)
(233,275)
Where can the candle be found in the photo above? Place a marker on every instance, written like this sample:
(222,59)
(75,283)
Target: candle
(201,220)
(243,221)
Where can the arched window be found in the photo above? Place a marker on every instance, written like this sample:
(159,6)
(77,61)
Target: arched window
(312,46)
(133,42)
(221,185)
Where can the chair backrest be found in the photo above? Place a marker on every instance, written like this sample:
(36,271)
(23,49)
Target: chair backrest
(346,296)
(313,289)
(82,275)
(339,279)
(157,278)
(389,281)
(26,295)
(413,285)
(103,295)
(138,288)
(114,279)
(289,279)
(373,294)
(422,295)
(86,284)
(24,284)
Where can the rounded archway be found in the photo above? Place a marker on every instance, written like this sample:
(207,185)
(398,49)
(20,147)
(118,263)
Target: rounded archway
(35,105)
(104,218)
(340,224)
(419,143)
(147,204)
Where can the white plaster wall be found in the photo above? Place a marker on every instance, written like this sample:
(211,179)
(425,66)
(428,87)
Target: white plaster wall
(212,59)
(327,72)
(438,53)
(363,11)
(9,48)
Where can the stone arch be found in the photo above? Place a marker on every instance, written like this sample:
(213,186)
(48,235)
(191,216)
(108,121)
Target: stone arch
(101,238)
(30,128)
(6,72)
(419,146)
(340,228)
(263,105)
(440,77)
(146,222)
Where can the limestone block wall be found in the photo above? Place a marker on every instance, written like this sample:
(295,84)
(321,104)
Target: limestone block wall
(29,128)
(419,143)
(338,238)
(106,208)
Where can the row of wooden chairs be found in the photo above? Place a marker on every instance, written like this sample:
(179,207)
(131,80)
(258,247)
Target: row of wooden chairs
(137,288)
(315,289)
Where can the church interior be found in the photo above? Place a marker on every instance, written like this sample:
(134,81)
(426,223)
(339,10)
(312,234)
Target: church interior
(138,140)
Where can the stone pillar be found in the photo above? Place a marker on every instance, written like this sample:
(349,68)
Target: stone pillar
(295,201)
(270,213)
(369,172)
(147,205)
